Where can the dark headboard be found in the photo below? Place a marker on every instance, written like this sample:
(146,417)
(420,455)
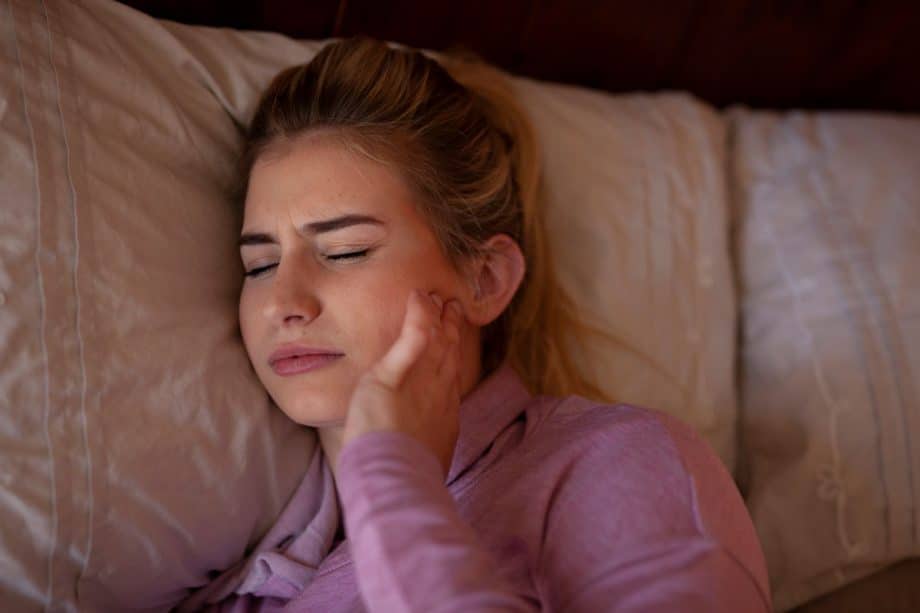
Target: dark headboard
(853,54)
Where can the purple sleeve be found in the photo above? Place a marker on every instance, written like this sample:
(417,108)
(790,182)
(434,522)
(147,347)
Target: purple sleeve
(646,519)
(411,549)
(641,518)
(691,576)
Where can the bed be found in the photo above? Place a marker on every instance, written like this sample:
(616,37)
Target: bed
(746,177)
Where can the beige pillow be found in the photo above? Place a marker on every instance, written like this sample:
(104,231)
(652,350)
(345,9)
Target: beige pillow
(138,450)
(637,214)
(827,224)
(163,458)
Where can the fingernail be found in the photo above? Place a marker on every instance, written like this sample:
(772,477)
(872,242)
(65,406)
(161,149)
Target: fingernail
(437,300)
(455,305)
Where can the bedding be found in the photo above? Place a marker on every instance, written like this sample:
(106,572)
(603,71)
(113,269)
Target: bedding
(139,453)
(137,449)
(827,215)
(894,590)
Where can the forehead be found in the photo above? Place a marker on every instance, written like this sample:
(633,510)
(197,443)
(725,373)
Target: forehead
(317,176)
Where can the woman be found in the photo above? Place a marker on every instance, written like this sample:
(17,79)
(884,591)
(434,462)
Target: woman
(399,298)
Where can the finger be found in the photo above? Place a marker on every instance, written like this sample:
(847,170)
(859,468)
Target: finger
(451,337)
(435,309)
(448,336)
(438,341)
(453,315)
(437,301)
(405,351)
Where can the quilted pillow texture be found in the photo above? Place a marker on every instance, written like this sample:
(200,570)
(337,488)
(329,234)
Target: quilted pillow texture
(139,452)
(827,227)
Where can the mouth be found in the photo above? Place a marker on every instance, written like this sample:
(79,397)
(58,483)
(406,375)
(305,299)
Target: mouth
(298,364)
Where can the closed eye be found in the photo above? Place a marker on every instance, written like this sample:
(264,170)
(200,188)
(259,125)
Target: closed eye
(348,256)
(255,272)
(353,255)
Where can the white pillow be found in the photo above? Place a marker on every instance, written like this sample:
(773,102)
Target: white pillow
(138,450)
(164,458)
(638,222)
(828,217)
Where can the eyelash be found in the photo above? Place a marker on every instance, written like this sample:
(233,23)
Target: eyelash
(354,255)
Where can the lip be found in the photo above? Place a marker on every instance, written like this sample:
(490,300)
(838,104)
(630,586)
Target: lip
(292,359)
(292,350)
(298,364)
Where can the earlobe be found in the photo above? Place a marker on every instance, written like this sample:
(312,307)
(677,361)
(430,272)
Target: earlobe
(496,277)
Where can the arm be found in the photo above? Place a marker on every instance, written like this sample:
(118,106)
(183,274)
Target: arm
(411,549)
(691,576)
(647,519)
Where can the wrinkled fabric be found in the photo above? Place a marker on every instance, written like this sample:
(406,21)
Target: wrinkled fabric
(558,504)
(138,449)
(828,210)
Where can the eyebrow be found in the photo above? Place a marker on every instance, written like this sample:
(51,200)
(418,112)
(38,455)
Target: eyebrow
(316,227)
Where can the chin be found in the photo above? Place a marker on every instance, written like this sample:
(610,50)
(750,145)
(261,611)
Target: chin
(317,410)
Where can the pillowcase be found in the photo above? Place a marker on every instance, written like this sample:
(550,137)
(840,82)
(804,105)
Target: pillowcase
(140,454)
(138,450)
(638,224)
(827,220)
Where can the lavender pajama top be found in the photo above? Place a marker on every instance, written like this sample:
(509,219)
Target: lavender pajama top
(552,504)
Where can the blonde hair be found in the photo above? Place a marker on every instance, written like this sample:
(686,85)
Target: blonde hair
(456,133)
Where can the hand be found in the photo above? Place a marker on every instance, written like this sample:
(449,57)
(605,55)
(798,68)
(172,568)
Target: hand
(415,387)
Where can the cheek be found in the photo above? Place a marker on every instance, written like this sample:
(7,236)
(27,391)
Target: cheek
(381,303)
(380,320)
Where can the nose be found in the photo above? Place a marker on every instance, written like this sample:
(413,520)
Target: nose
(293,299)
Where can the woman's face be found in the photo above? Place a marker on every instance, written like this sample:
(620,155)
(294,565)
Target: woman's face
(322,281)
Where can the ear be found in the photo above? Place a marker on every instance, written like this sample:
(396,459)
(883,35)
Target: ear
(494,278)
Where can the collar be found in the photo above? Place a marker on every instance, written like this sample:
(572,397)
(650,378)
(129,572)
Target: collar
(495,402)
